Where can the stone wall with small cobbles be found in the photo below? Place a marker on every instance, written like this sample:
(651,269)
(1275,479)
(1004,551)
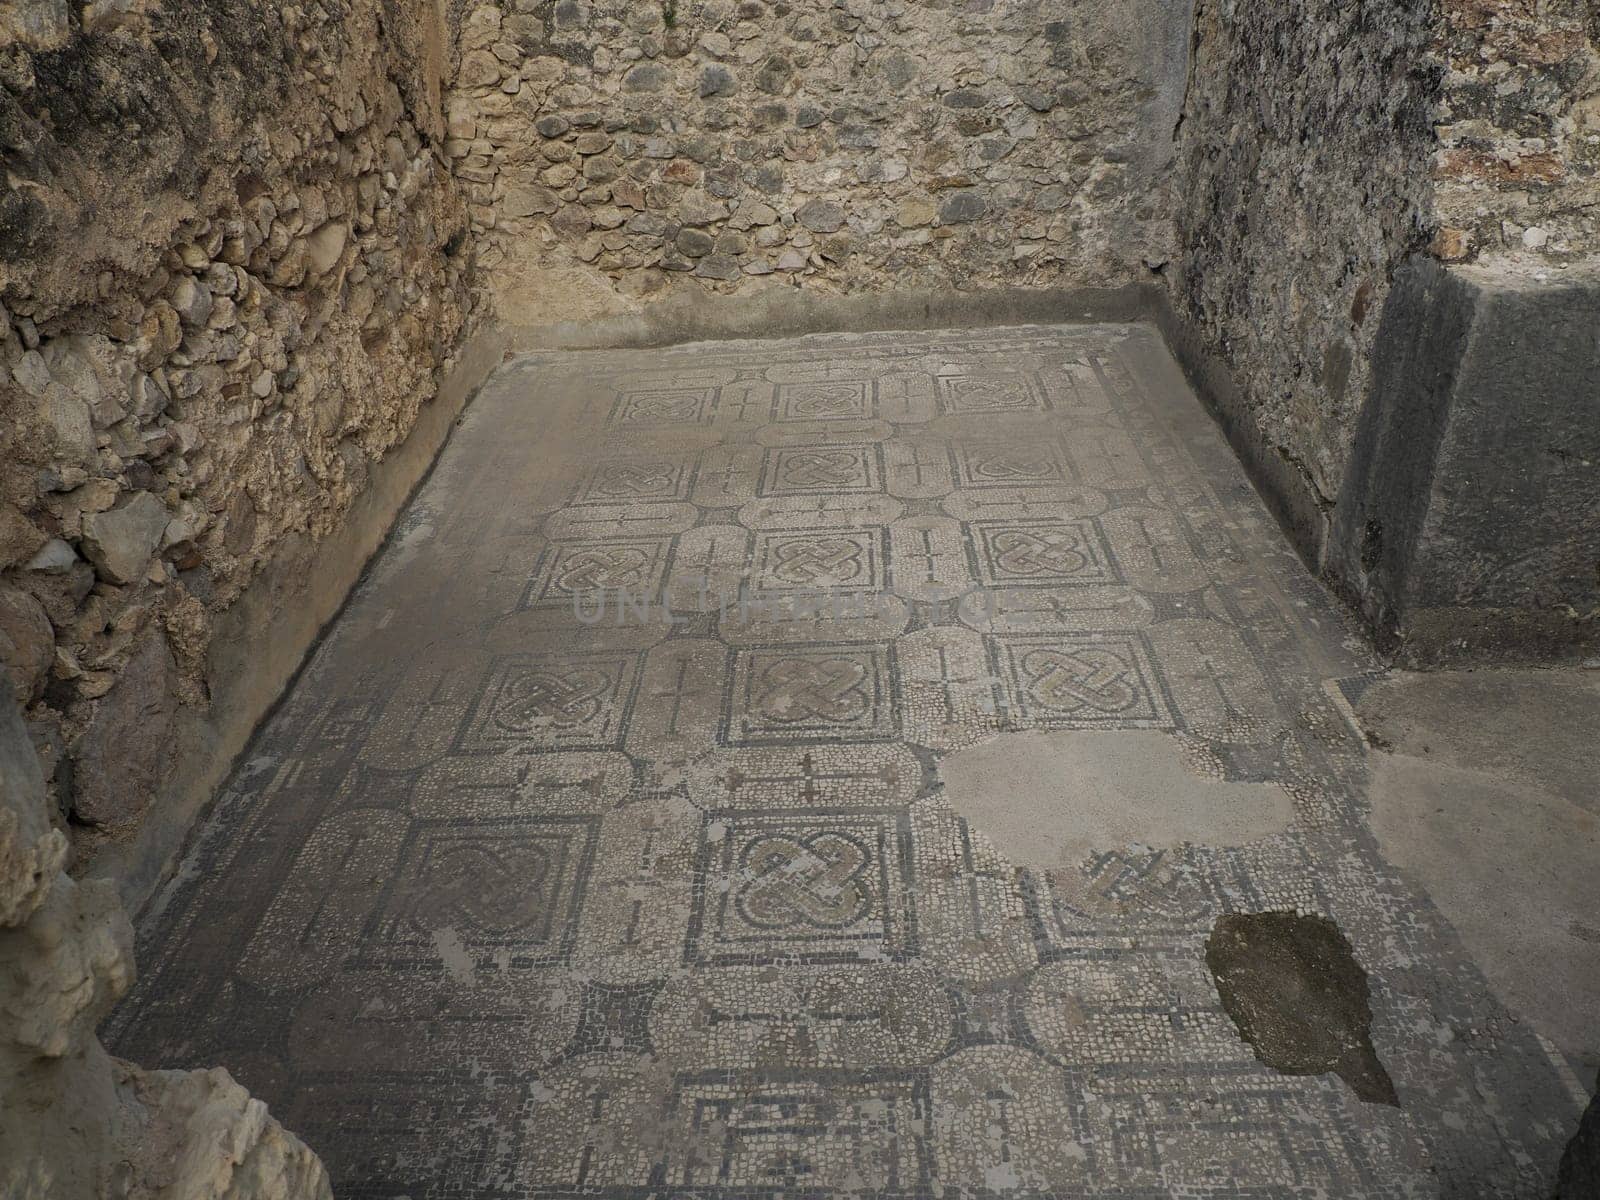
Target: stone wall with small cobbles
(234,267)
(628,148)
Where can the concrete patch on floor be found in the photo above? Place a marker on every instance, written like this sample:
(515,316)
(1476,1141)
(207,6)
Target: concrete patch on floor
(1292,986)
(1485,788)
(1538,727)
(1046,799)
(1513,869)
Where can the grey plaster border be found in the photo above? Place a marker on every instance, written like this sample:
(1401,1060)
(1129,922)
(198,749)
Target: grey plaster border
(778,312)
(262,640)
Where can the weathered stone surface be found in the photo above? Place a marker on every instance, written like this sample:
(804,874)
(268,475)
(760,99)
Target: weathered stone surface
(55,557)
(234,265)
(1518,166)
(1325,147)
(74,1121)
(199,1134)
(958,208)
(647,77)
(191,299)
(1283,260)
(856,115)
(71,432)
(27,643)
(41,24)
(20,538)
(31,852)
(820,216)
(120,542)
(1294,990)
(716,81)
(1469,520)
(63,970)
(1579,1174)
(325,247)
(125,751)
(526,200)
(718,266)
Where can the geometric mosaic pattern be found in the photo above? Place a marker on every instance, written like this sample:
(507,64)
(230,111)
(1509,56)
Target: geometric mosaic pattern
(524,895)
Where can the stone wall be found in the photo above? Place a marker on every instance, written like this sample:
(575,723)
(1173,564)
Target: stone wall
(1389,241)
(1324,144)
(613,150)
(1304,162)
(233,267)
(1517,170)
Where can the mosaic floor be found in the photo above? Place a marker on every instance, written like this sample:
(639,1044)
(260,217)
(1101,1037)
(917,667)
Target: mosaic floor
(603,849)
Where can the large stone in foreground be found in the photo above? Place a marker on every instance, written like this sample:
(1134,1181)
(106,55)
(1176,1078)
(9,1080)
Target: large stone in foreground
(1468,524)
(73,1120)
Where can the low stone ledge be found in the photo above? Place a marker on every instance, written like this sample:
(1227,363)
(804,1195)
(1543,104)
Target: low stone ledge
(1468,525)
(1467,528)
(789,312)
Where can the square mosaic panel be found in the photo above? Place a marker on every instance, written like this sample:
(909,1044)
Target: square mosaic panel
(536,703)
(833,400)
(1041,551)
(786,694)
(801,1132)
(821,470)
(1009,464)
(1087,680)
(652,407)
(990,391)
(1253,1132)
(496,884)
(572,572)
(636,479)
(829,560)
(810,886)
